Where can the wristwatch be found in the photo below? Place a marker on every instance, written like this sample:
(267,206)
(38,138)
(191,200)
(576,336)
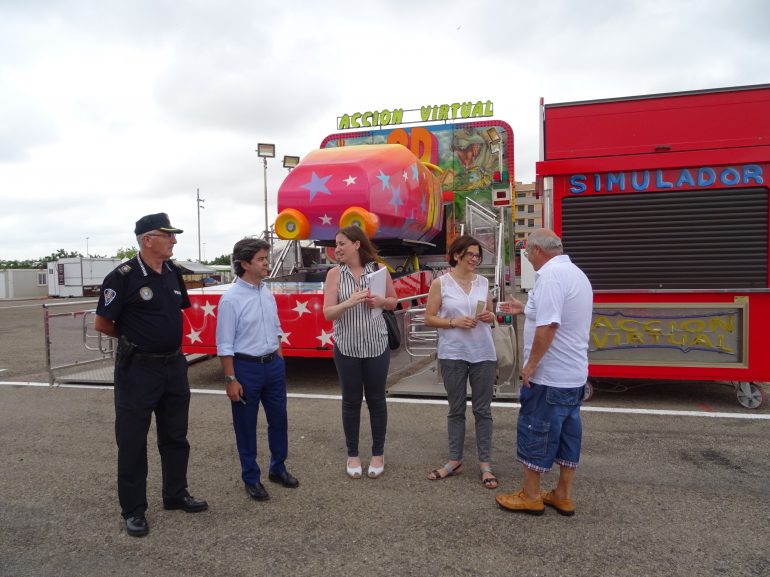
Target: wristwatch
(229,379)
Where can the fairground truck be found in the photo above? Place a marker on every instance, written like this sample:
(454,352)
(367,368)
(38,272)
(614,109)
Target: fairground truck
(412,190)
(663,201)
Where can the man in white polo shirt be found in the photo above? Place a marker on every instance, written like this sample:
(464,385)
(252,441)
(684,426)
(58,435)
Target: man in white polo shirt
(556,331)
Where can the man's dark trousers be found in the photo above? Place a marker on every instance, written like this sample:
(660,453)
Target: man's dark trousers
(150,384)
(265,383)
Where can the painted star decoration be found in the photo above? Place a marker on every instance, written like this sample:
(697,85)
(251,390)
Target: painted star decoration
(194,336)
(325,219)
(384,179)
(208,309)
(301,308)
(350,180)
(285,338)
(396,198)
(317,185)
(325,338)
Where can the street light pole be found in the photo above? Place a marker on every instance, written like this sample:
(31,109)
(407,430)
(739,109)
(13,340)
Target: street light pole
(265,151)
(289,163)
(200,206)
(267,223)
(87,246)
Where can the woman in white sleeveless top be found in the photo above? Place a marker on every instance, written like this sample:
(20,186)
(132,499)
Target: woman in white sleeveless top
(460,306)
(361,352)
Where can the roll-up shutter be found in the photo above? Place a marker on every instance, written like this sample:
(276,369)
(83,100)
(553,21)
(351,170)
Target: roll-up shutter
(698,239)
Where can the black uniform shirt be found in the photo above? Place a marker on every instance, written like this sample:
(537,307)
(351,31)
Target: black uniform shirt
(145,306)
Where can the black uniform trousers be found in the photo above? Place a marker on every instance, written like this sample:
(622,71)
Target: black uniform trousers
(151,384)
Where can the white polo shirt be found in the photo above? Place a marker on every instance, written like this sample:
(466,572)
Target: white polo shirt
(562,295)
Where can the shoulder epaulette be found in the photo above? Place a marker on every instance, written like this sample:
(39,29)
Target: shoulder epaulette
(124,269)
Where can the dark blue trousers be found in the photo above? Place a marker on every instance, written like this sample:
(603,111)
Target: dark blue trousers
(266,384)
(141,388)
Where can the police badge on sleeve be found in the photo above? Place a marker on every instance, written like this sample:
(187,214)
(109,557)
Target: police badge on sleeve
(109,296)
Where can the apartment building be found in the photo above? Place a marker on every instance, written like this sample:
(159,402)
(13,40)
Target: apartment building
(528,215)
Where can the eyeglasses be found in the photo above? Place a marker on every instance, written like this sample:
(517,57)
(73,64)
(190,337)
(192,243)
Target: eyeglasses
(526,252)
(473,256)
(163,234)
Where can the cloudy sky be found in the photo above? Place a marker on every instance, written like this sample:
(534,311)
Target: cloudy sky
(111,110)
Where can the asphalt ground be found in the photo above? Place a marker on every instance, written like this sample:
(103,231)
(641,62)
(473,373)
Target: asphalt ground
(674,480)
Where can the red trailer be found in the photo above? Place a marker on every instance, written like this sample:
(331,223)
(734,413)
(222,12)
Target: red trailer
(663,201)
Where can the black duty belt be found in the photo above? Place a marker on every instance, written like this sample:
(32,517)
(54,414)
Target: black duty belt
(252,359)
(157,356)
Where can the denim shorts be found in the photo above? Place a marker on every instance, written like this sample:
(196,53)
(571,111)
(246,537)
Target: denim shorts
(549,428)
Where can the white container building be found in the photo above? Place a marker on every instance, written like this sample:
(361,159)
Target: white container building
(78,276)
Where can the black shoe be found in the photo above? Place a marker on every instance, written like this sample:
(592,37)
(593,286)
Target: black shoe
(286,479)
(188,504)
(257,492)
(137,526)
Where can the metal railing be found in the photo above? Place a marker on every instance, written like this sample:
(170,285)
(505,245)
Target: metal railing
(419,340)
(71,343)
(277,268)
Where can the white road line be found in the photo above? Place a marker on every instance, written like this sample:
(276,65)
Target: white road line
(24,384)
(409,401)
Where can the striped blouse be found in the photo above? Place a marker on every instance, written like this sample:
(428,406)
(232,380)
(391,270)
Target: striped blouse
(356,332)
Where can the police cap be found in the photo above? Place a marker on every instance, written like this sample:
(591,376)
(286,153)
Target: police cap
(158,221)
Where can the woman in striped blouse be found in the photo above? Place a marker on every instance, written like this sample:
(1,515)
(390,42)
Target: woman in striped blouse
(361,352)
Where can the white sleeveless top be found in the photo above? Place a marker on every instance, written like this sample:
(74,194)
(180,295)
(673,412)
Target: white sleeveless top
(471,345)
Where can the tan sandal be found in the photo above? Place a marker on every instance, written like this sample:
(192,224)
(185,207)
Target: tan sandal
(451,471)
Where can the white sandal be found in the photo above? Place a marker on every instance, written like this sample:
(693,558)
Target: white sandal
(353,472)
(375,472)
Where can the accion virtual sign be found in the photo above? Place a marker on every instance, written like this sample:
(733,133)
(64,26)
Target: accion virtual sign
(430,113)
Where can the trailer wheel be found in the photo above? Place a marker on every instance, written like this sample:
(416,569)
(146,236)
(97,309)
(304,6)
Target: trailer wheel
(750,395)
(367,221)
(291,224)
(588,392)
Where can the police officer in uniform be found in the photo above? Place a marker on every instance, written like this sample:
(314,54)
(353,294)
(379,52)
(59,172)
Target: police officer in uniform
(140,304)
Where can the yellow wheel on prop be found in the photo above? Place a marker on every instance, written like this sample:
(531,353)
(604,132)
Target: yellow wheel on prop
(357,216)
(291,224)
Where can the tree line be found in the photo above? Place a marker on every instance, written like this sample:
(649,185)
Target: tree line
(122,253)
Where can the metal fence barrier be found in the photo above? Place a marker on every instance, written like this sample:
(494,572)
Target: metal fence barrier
(75,351)
(421,340)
